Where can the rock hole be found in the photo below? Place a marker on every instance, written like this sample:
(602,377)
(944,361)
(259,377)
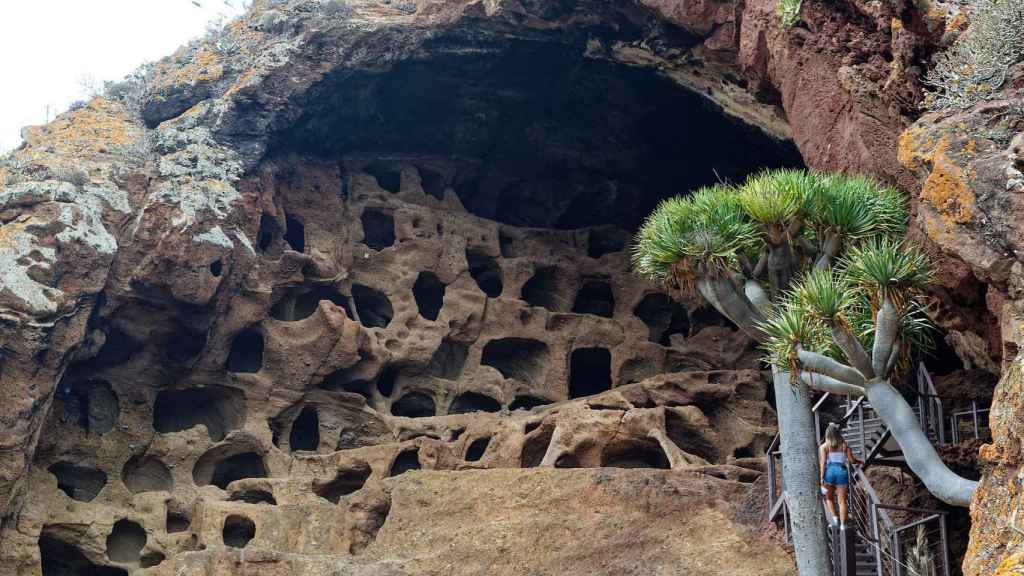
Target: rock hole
(638,454)
(80,483)
(405,461)
(527,402)
(125,542)
(432,182)
(90,404)
(299,305)
(372,306)
(177,522)
(246,355)
(219,409)
(507,245)
(448,360)
(345,482)
(707,316)
(146,474)
(58,558)
(378,228)
(743,452)
(477,449)
(637,369)
(663,317)
(220,469)
(216,268)
(295,233)
(151,559)
(486,272)
(521,359)
(567,461)
(535,446)
(388,177)
(265,237)
(473,402)
(254,496)
(414,405)
(689,437)
(358,386)
(429,294)
(548,289)
(238,531)
(305,433)
(386,381)
(606,240)
(456,434)
(590,372)
(184,344)
(595,297)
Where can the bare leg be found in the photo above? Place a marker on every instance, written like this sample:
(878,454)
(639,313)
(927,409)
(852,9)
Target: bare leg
(829,491)
(841,496)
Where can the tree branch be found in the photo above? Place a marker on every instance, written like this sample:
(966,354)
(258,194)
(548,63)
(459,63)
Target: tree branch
(723,295)
(855,353)
(886,325)
(827,384)
(824,365)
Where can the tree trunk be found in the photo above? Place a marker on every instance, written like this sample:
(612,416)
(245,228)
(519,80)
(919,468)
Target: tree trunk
(801,474)
(921,456)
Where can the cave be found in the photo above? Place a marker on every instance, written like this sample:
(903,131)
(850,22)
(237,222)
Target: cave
(388,177)
(606,240)
(590,372)
(477,449)
(301,303)
(305,432)
(238,531)
(636,454)
(405,461)
(221,466)
(176,521)
(125,542)
(521,359)
(448,360)
(386,381)
(433,182)
(254,496)
(246,353)
(378,228)
(549,289)
(527,402)
(473,402)
(428,291)
(146,474)
(690,438)
(595,297)
(345,482)
(218,408)
(294,233)
(486,272)
(59,558)
(91,405)
(414,405)
(151,559)
(268,231)
(372,306)
(535,446)
(663,317)
(81,483)
(706,316)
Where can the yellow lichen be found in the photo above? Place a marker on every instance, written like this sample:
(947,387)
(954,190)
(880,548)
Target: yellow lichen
(946,188)
(1012,565)
(204,66)
(100,127)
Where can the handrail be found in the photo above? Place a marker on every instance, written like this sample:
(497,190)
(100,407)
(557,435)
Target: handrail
(917,523)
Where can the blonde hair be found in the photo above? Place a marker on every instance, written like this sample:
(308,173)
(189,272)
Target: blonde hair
(834,437)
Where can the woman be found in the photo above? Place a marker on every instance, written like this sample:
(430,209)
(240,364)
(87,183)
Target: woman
(833,456)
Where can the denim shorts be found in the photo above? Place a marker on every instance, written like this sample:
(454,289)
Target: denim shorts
(836,475)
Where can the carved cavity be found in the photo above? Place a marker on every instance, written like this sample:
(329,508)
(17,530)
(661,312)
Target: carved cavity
(301,304)
(707,316)
(254,496)
(689,437)
(477,449)
(606,240)
(535,446)
(527,402)
(388,177)
(238,531)
(473,402)
(222,465)
(595,297)
(146,474)
(663,317)
(80,483)
(637,369)
(448,360)
(636,454)
(58,558)
(305,433)
(177,520)
(590,372)
(372,306)
(378,228)
(486,272)
(414,405)
(547,288)
(433,182)
(429,294)
(151,559)
(386,381)
(520,359)
(345,482)
(268,231)
(294,233)
(125,542)
(89,404)
(246,352)
(405,461)
(219,409)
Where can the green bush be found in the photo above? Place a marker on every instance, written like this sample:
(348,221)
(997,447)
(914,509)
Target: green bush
(975,67)
(789,12)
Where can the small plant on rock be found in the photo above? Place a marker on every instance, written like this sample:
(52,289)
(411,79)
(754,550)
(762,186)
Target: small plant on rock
(789,12)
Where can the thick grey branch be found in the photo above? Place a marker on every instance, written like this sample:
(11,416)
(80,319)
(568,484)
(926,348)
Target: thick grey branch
(886,325)
(855,353)
(822,364)
(827,384)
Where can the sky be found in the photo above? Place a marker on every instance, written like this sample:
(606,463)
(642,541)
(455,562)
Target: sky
(49,47)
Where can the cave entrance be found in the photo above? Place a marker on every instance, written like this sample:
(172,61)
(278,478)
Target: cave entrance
(305,433)
(59,558)
(246,355)
(90,404)
(448,360)
(238,531)
(590,372)
(663,317)
(372,306)
(521,359)
(345,482)
(595,297)
(428,291)
(81,483)
(473,402)
(219,409)
(125,542)
(222,465)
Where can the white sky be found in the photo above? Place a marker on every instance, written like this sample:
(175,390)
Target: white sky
(48,46)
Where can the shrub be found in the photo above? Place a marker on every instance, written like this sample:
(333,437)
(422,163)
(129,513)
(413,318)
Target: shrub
(789,12)
(975,67)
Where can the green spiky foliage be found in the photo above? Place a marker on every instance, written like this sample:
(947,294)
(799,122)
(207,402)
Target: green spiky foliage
(887,267)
